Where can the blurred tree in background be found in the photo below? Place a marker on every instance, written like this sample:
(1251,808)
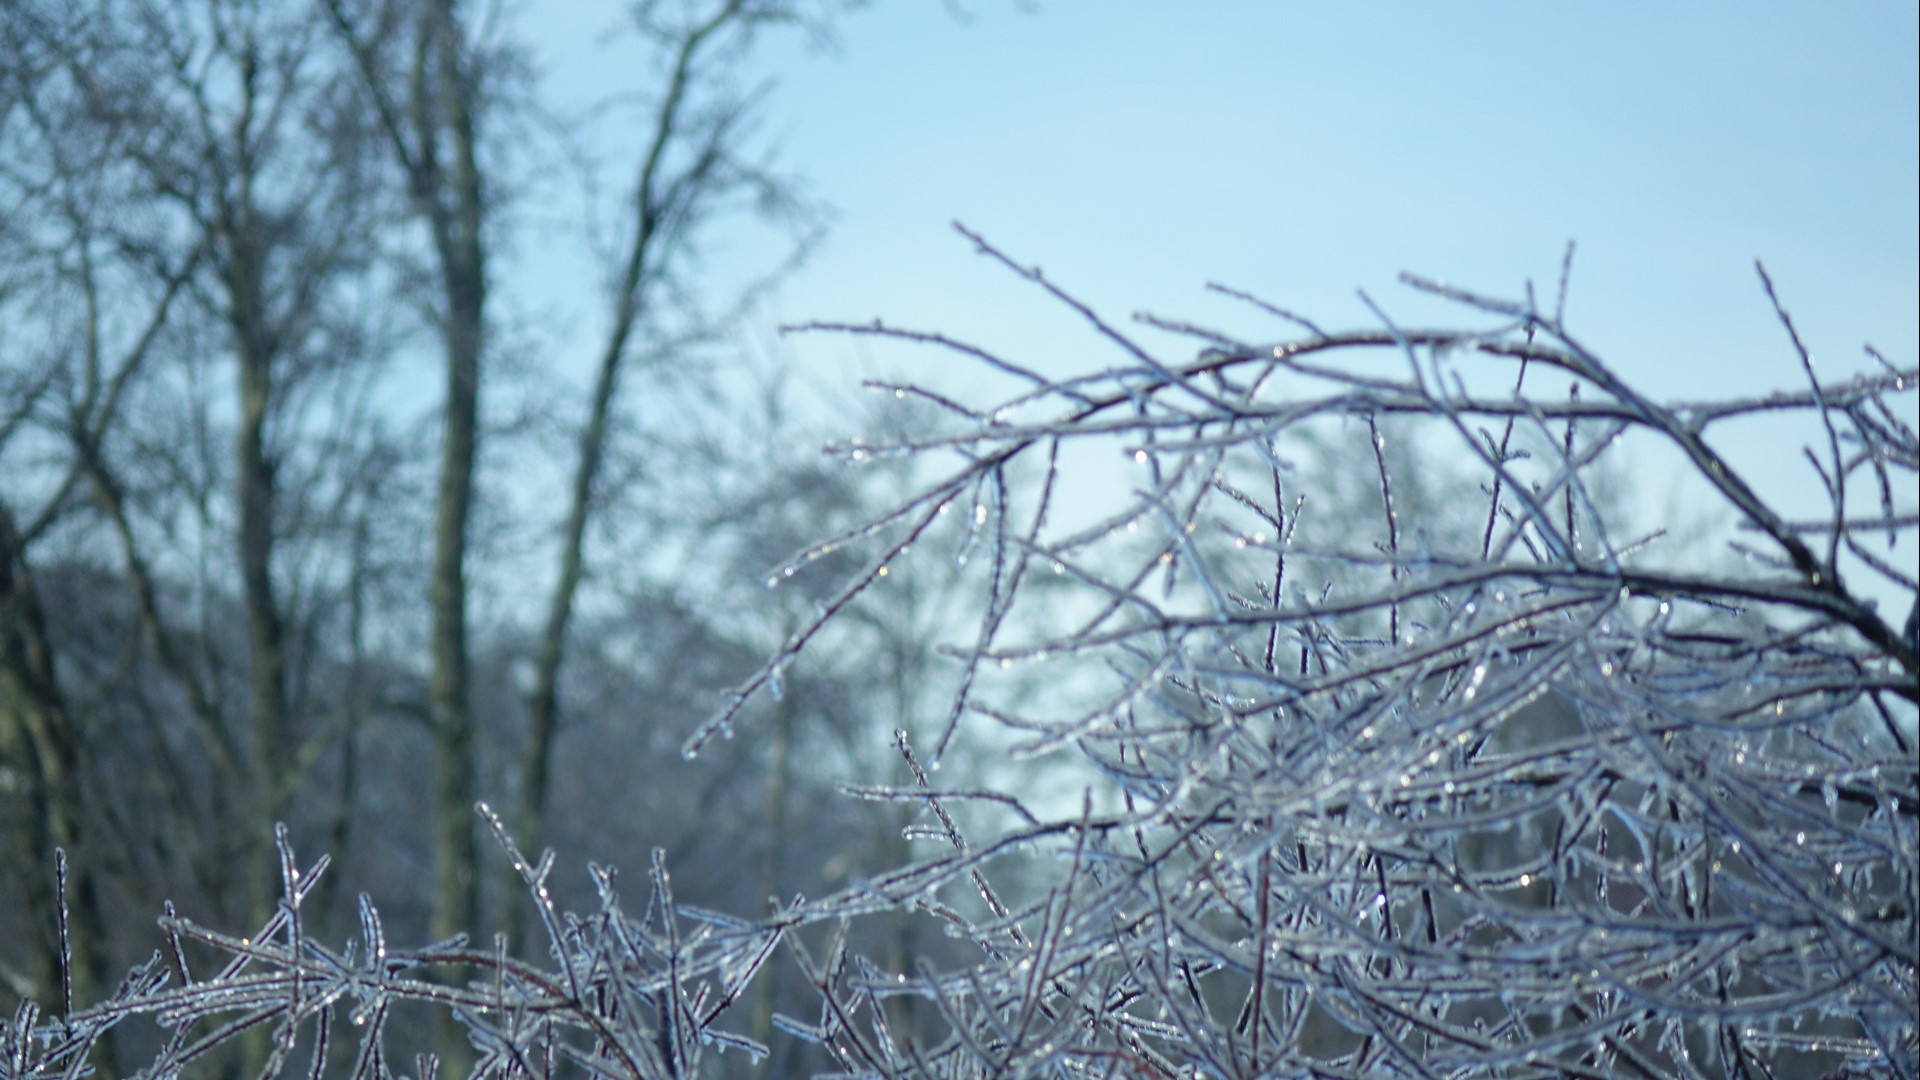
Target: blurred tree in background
(256,567)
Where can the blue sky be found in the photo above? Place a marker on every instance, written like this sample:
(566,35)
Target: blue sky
(1138,150)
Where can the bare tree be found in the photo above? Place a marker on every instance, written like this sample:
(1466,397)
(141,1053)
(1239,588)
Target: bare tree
(694,166)
(202,199)
(436,82)
(196,199)
(422,67)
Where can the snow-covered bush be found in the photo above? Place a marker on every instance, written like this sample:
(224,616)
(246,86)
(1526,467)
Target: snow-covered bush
(1528,796)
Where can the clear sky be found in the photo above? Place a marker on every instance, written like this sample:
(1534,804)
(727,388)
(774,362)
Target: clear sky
(1136,150)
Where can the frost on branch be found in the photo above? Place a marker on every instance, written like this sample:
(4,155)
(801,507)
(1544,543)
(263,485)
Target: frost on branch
(1464,779)
(1519,796)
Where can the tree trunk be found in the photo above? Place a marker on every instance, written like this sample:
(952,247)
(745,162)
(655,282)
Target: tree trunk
(654,187)
(36,730)
(457,219)
(543,701)
(269,778)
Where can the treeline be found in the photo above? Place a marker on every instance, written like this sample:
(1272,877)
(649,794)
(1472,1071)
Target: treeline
(298,525)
